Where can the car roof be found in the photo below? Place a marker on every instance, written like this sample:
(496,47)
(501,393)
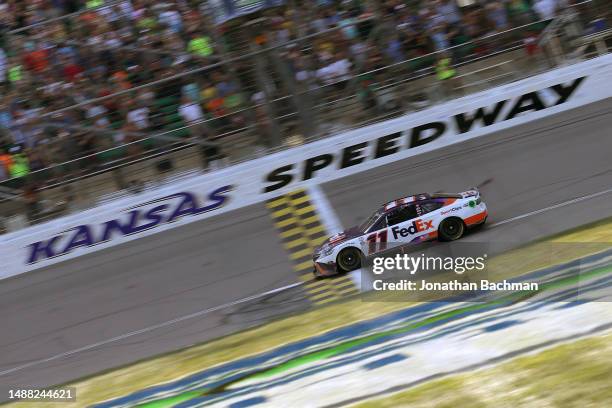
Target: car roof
(405,200)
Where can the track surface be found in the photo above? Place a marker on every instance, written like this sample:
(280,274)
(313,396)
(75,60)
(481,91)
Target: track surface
(155,279)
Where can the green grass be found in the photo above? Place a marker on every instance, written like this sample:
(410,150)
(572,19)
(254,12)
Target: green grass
(576,374)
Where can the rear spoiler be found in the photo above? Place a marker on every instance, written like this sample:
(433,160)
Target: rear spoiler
(473,192)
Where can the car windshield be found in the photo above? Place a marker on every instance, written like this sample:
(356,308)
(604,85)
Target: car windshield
(367,224)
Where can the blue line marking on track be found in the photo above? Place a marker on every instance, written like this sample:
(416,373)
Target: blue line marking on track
(248,402)
(501,325)
(384,361)
(573,303)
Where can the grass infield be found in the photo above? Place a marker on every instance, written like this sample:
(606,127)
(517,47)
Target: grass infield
(575,374)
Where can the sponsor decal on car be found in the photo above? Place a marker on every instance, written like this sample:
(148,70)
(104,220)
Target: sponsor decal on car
(337,238)
(416,227)
(451,210)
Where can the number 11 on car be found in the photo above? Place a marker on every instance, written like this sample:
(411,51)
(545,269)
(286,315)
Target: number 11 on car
(377,242)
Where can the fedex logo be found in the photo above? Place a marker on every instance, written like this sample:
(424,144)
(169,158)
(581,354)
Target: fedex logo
(417,226)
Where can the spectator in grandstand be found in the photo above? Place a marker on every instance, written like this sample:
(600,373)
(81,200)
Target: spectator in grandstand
(200,45)
(138,116)
(6,118)
(191,113)
(16,74)
(3,66)
(520,12)
(597,25)
(4,175)
(440,37)
(31,201)
(498,14)
(87,143)
(336,70)
(18,165)
(36,159)
(447,75)
(6,162)
(449,10)
(394,50)
(530,42)
(367,96)
(191,89)
(36,57)
(546,9)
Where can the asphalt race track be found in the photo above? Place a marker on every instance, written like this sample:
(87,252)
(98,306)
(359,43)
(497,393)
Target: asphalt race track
(68,320)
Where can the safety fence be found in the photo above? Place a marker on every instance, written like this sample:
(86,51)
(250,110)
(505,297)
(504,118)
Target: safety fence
(168,114)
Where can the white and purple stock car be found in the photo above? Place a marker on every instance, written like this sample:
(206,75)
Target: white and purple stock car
(412,219)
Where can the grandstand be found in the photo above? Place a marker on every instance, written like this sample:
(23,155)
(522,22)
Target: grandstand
(102,98)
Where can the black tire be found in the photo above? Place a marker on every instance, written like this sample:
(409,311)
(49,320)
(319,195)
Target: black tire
(349,259)
(451,229)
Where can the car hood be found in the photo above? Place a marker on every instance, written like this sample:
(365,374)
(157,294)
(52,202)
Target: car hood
(343,236)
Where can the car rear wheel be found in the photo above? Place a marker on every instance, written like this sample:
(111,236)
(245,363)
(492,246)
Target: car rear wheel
(349,259)
(451,229)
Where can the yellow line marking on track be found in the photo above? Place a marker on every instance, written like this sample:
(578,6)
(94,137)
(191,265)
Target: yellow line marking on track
(285,223)
(316,285)
(303,265)
(344,285)
(305,278)
(291,232)
(348,289)
(316,288)
(319,296)
(296,242)
(326,300)
(300,253)
(300,200)
(314,230)
(280,213)
(305,210)
(276,203)
(310,220)
(302,225)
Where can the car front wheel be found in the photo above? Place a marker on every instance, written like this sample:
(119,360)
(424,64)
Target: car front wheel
(349,259)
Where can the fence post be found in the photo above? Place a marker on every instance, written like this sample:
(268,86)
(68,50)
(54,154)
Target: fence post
(263,84)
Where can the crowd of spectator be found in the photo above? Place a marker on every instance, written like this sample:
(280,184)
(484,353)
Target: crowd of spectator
(96,54)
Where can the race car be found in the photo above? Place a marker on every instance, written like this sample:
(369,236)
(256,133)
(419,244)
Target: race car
(411,219)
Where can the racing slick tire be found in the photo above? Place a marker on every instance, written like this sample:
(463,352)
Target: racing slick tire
(451,229)
(349,259)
